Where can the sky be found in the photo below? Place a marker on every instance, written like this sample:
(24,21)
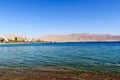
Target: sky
(36,18)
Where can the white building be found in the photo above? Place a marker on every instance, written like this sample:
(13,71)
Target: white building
(6,40)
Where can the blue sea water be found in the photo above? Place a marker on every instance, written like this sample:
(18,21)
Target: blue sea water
(94,56)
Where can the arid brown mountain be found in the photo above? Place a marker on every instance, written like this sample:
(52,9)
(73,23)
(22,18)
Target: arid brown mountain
(80,38)
(62,38)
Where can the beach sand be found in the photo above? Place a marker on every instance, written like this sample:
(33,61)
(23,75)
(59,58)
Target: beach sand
(38,74)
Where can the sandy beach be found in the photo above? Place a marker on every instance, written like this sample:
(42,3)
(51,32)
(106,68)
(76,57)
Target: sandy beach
(38,74)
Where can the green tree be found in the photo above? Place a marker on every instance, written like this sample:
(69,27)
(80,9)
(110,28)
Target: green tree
(1,39)
(15,39)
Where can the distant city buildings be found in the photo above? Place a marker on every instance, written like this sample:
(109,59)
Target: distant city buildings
(13,38)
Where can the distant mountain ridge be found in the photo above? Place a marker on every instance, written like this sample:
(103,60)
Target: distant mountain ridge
(61,38)
(80,38)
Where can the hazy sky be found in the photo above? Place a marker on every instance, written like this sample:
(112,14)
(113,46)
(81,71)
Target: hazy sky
(41,17)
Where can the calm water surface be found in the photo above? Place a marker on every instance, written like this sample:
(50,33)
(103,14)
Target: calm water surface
(75,56)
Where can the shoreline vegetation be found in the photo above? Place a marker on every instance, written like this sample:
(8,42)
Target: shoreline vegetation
(41,74)
(19,40)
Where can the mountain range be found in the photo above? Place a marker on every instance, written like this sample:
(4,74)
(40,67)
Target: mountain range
(80,38)
(85,37)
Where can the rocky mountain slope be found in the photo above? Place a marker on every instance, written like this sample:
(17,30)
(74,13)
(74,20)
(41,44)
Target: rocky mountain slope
(80,38)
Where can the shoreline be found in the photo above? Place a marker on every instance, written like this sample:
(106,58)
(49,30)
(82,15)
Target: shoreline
(43,74)
(61,42)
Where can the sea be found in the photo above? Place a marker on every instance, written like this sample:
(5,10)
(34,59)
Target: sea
(77,56)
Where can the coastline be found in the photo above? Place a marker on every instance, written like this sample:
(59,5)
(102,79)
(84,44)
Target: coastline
(61,42)
(40,74)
